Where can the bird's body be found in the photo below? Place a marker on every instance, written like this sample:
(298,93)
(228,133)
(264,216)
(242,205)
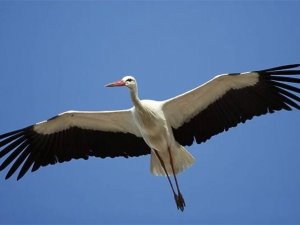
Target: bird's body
(151,123)
(158,135)
(159,128)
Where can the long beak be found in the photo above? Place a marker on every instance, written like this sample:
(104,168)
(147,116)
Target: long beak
(116,84)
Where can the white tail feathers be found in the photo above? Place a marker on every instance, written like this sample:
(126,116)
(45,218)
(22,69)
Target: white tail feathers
(182,160)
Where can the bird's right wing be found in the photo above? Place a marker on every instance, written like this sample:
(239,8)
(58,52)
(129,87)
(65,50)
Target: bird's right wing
(72,135)
(229,99)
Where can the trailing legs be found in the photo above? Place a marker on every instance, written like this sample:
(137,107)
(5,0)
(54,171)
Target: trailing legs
(178,197)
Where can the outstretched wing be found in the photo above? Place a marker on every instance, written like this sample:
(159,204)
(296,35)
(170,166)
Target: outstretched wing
(229,99)
(71,135)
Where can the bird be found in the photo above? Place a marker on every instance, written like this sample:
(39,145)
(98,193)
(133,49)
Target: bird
(161,129)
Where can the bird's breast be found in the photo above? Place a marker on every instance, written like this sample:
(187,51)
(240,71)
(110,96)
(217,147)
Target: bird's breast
(149,122)
(152,126)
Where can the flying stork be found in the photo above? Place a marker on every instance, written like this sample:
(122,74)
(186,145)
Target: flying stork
(159,128)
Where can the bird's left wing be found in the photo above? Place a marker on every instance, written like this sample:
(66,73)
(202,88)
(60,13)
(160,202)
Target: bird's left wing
(229,99)
(72,135)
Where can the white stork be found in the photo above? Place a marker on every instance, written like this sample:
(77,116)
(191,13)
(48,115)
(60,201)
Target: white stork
(159,128)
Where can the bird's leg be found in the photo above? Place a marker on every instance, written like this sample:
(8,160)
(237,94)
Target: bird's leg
(180,200)
(164,168)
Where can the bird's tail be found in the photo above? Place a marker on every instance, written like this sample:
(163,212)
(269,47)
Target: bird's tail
(182,160)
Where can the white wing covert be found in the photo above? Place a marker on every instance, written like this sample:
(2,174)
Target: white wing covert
(72,135)
(229,99)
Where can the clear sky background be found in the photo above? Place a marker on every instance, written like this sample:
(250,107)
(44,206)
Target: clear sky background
(56,56)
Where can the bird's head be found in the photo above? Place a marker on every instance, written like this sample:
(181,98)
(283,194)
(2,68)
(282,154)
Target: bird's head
(128,81)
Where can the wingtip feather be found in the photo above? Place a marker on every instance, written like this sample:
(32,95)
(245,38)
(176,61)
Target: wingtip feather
(285,67)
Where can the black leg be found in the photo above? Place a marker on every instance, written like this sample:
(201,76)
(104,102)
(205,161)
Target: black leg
(164,167)
(180,198)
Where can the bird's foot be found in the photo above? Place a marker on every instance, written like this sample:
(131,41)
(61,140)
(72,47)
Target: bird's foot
(179,201)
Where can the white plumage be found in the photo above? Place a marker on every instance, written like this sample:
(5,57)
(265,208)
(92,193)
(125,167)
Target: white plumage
(159,128)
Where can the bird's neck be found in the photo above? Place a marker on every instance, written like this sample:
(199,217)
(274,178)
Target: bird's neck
(134,97)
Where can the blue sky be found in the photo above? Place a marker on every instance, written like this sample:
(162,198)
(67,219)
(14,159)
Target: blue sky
(56,56)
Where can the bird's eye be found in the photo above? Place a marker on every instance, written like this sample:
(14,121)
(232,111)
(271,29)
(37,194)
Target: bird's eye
(129,80)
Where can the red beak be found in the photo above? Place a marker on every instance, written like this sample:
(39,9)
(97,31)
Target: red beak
(116,84)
